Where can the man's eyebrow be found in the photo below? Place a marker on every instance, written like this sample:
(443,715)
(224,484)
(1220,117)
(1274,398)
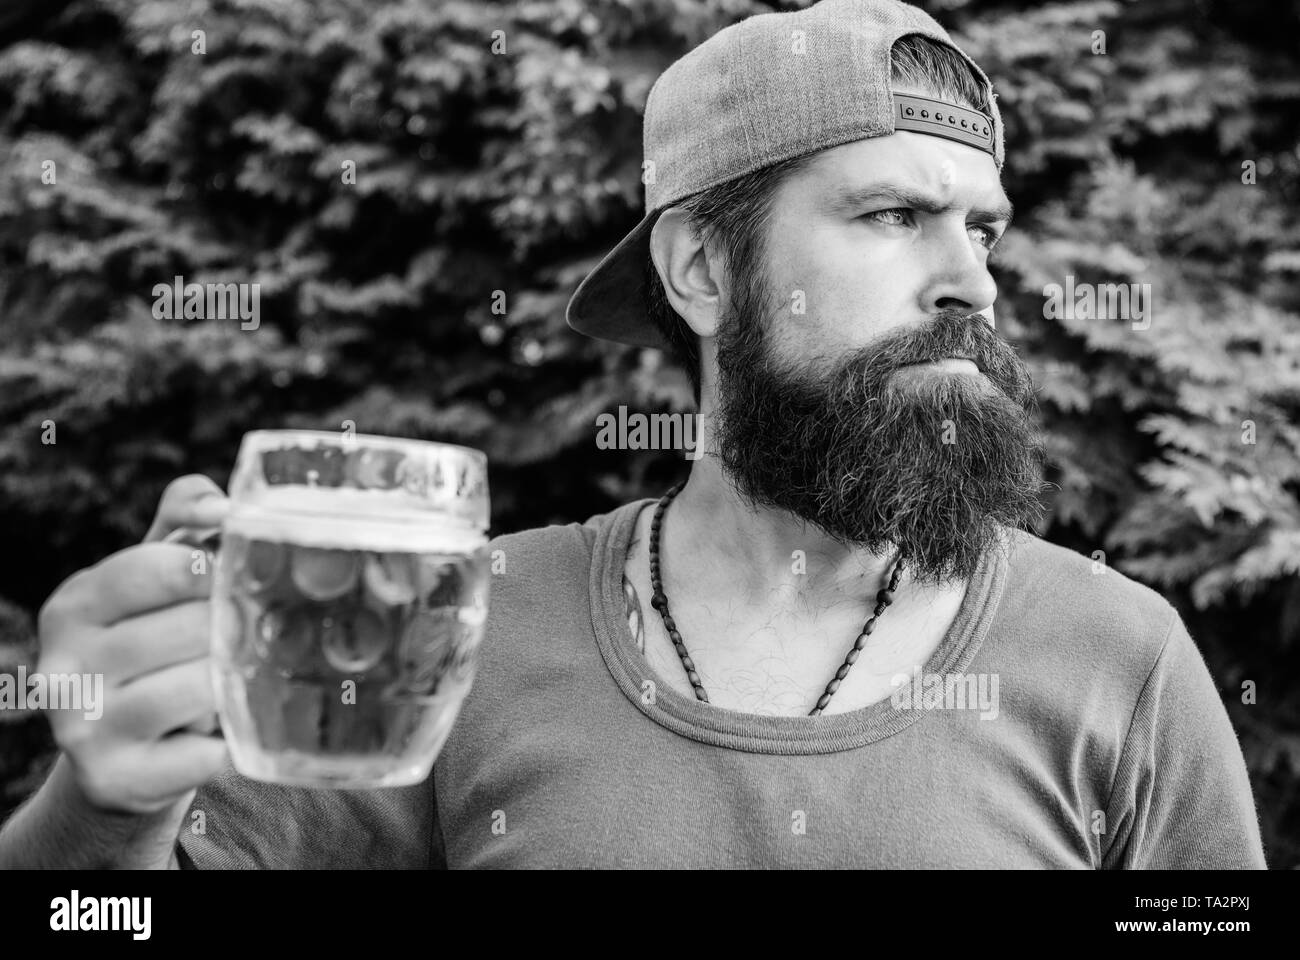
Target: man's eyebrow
(854,198)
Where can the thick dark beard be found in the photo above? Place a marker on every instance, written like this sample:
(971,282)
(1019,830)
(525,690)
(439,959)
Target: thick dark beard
(861,453)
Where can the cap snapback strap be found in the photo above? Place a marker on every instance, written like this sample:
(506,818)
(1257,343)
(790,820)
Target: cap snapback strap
(940,118)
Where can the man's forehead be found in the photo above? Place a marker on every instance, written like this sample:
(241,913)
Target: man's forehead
(914,164)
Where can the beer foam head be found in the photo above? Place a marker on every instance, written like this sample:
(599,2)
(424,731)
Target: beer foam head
(414,474)
(345,519)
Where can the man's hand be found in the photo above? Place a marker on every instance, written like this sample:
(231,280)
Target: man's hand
(141,618)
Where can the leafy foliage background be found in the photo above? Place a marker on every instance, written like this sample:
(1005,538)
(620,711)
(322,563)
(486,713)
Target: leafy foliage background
(479,172)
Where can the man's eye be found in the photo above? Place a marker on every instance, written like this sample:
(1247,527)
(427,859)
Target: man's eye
(896,217)
(989,239)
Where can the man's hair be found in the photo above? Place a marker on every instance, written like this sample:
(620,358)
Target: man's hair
(736,213)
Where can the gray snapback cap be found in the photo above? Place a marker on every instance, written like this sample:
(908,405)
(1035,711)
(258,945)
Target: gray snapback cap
(771,87)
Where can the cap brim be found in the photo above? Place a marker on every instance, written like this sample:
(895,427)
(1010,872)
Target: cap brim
(611,303)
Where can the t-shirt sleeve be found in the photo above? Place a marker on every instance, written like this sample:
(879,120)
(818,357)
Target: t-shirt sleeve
(236,823)
(1182,797)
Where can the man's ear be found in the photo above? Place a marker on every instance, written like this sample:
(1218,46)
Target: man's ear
(689,271)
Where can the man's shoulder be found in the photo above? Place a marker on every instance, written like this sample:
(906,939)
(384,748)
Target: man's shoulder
(538,554)
(1090,637)
(1084,595)
(576,534)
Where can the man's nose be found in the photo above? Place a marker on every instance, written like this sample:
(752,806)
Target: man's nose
(959,277)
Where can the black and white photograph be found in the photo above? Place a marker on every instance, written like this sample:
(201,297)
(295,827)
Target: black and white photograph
(624,435)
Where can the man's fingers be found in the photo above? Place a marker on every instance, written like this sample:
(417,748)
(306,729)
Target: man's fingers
(133,581)
(146,778)
(163,701)
(209,724)
(180,762)
(189,501)
(181,633)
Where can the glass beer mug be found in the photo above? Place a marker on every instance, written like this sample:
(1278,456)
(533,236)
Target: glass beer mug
(349,600)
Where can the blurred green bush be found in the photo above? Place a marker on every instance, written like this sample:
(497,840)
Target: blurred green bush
(493,169)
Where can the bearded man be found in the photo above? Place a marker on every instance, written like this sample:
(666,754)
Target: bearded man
(839,643)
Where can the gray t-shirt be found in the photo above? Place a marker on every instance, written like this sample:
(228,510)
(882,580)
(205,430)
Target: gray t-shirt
(1103,744)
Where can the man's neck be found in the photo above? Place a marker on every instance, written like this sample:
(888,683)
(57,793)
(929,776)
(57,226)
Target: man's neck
(768,606)
(725,546)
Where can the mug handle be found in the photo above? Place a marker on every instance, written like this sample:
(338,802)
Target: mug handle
(207,538)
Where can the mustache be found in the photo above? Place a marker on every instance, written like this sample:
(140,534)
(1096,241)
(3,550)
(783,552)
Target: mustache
(949,333)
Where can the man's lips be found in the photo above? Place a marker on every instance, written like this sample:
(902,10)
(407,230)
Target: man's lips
(955,364)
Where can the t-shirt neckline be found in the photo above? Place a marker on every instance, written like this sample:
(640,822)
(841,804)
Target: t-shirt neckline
(756,733)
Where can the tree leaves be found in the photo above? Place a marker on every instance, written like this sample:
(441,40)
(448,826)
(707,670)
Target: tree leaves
(416,202)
